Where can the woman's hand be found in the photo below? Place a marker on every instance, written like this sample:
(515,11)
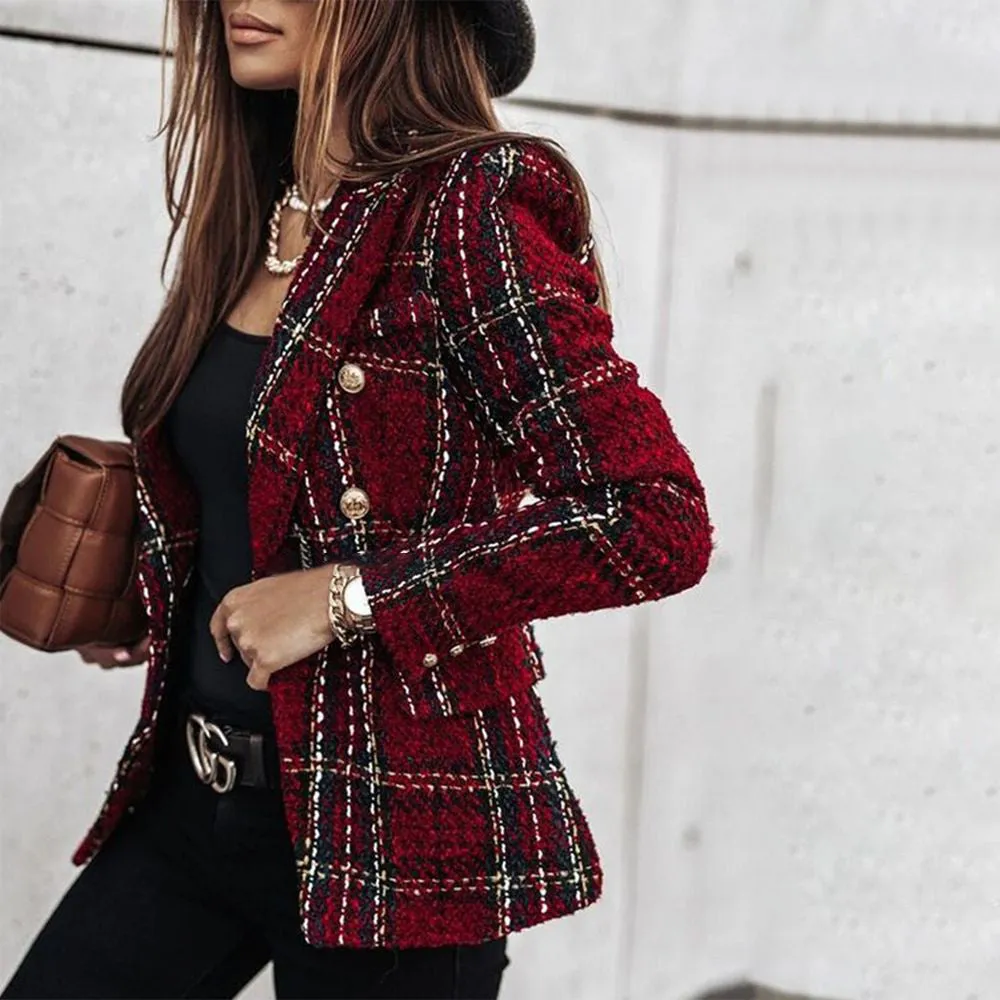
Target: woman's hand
(115,656)
(274,622)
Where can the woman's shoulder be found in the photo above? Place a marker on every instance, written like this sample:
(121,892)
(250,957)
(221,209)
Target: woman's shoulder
(523,168)
(498,160)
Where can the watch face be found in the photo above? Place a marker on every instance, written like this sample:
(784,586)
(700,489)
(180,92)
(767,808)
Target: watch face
(352,596)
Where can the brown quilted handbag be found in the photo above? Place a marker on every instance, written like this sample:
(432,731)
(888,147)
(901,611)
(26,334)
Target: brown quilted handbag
(68,549)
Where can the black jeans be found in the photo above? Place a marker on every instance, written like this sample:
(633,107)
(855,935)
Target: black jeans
(195,892)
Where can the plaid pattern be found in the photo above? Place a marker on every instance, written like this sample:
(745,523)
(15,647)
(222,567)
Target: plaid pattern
(515,470)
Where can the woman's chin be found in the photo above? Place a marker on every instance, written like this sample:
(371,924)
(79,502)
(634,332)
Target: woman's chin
(257,77)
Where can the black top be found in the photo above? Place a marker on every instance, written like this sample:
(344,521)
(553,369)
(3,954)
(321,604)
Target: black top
(207,428)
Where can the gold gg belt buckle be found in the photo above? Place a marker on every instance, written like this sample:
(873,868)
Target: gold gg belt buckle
(212,768)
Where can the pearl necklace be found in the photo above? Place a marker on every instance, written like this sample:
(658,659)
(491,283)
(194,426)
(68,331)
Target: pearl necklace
(292,198)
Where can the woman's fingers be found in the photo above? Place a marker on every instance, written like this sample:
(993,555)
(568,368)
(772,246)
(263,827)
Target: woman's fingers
(135,654)
(219,627)
(115,656)
(103,656)
(139,653)
(258,679)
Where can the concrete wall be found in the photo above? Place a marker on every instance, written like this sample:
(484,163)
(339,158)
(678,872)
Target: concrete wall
(790,770)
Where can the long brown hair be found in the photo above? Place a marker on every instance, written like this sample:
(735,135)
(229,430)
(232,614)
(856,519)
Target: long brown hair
(400,67)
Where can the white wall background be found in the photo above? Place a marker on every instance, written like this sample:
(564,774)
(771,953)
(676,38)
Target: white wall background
(793,771)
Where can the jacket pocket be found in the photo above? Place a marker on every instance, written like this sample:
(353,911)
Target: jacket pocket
(383,324)
(476,676)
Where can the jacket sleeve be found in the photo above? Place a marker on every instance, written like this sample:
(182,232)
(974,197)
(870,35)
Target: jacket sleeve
(620,516)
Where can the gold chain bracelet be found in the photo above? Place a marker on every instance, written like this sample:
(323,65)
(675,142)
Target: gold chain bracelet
(345,624)
(336,612)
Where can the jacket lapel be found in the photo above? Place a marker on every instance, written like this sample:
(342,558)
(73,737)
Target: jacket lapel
(167,525)
(335,276)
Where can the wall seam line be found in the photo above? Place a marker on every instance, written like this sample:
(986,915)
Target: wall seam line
(658,119)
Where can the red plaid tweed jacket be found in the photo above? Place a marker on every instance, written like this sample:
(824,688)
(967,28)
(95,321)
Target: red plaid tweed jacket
(423,793)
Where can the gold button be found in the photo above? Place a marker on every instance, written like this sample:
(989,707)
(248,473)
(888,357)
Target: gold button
(430,660)
(351,378)
(354,503)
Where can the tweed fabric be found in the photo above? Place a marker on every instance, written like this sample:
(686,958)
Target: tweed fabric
(515,470)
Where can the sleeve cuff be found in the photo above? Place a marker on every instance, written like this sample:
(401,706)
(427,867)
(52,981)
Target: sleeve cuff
(406,620)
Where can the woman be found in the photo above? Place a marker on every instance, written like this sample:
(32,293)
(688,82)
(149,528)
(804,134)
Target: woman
(379,428)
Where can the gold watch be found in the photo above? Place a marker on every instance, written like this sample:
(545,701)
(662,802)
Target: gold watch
(347,620)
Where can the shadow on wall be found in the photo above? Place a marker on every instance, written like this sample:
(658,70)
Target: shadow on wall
(752,991)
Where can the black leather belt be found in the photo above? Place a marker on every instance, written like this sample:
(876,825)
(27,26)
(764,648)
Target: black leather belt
(224,757)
